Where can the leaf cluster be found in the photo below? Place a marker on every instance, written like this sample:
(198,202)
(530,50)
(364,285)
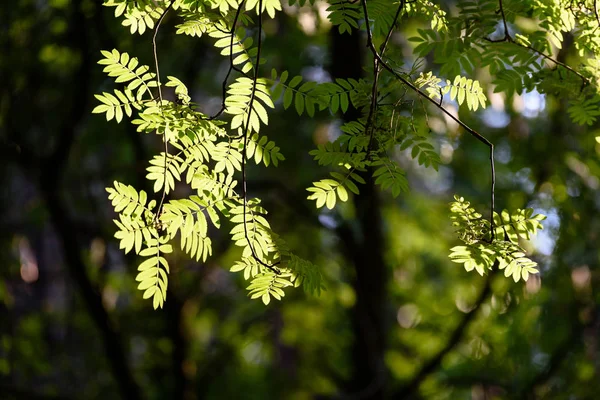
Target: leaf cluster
(483,251)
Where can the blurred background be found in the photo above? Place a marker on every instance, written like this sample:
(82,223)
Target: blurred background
(398,319)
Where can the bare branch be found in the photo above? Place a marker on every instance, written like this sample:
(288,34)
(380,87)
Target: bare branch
(376,69)
(160,98)
(508,38)
(245,140)
(394,21)
(379,62)
(231,66)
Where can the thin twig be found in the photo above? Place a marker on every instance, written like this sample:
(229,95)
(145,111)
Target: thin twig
(506,34)
(470,130)
(508,38)
(374,92)
(231,66)
(394,21)
(245,140)
(160,99)
(381,63)
(154,50)
(376,69)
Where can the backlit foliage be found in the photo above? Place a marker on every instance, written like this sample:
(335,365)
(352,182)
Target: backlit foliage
(482,250)
(209,153)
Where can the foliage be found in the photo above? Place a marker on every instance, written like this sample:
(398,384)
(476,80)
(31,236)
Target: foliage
(68,299)
(214,159)
(484,250)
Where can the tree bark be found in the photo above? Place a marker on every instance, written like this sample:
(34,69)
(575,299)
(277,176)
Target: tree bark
(363,242)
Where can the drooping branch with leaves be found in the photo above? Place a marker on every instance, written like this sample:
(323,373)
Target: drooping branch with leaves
(211,153)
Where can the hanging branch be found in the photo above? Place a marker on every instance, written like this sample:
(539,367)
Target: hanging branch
(380,62)
(508,38)
(376,69)
(231,66)
(160,99)
(245,140)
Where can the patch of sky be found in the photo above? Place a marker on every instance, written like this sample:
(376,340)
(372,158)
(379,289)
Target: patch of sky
(522,177)
(495,118)
(533,104)
(502,153)
(545,240)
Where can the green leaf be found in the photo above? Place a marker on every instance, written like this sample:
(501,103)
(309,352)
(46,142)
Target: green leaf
(481,253)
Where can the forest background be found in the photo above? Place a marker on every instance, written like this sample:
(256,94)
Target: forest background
(398,319)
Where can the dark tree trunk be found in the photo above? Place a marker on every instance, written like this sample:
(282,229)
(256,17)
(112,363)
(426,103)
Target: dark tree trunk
(363,243)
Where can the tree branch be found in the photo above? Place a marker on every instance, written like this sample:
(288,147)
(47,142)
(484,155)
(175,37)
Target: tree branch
(508,38)
(160,98)
(472,132)
(245,140)
(231,66)
(376,69)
